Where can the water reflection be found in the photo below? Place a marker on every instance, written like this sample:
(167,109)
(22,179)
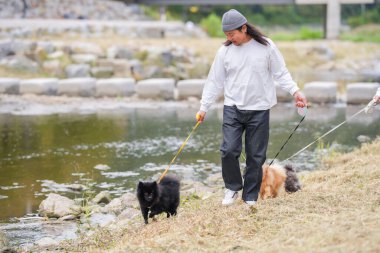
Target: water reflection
(42,154)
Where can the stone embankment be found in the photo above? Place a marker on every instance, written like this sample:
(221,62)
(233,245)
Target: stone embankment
(169,89)
(84,59)
(70,9)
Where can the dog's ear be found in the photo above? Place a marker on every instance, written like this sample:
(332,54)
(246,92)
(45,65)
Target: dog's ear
(140,184)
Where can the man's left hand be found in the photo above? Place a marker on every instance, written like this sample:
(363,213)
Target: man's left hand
(300,99)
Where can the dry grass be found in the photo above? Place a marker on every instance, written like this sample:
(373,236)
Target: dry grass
(338,210)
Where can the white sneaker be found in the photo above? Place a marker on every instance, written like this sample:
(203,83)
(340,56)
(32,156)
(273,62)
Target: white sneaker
(250,202)
(229,197)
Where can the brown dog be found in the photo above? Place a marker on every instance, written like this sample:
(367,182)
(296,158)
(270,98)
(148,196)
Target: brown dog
(274,177)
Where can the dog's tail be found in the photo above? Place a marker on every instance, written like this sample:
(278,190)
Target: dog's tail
(292,183)
(289,167)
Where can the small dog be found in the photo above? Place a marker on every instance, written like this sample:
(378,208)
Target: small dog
(158,198)
(275,178)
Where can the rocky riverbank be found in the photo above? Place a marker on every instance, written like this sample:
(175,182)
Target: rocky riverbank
(335,211)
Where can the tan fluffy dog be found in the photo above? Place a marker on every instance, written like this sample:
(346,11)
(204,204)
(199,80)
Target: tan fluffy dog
(274,177)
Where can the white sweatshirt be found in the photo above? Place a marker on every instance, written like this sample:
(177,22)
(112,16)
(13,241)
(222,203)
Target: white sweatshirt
(378,92)
(247,73)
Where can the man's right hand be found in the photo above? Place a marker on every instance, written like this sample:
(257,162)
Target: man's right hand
(200,116)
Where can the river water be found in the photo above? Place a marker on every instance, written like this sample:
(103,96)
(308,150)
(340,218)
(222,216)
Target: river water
(113,149)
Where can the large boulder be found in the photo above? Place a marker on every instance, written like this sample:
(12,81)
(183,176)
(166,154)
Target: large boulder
(190,88)
(361,93)
(9,85)
(321,92)
(156,88)
(56,206)
(80,87)
(115,87)
(39,86)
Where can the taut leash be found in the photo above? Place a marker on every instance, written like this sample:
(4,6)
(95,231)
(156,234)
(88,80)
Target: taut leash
(333,129)
(290,136)
(179,151)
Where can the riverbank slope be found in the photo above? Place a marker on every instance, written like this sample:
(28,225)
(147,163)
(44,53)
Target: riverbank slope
(336,211)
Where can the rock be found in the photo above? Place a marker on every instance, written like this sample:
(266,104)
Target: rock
(115,206)
(101,220)
(156,88)
(4,242)
(196,189)
(190,88)
(361,93)
(68,217)
(22,63)
(77,70)
(116,52)
(55,55)
(46,45)
(9,85)
(363,138)
(84,58)
(6,48)
(83,87)
(115,87)
(86,48)
(102,197)
(53,67)
(321,92)
(129,200)
(39,86)
(56,206)
(128,214)
(46,242)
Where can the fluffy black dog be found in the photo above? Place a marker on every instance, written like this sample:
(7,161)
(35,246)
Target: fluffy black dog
(158,198)
(292,183)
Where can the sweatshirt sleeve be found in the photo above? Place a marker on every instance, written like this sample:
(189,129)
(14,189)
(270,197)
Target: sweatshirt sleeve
(215,81)
(378,92)
(279,71)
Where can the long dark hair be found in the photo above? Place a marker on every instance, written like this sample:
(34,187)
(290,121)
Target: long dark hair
(254,33)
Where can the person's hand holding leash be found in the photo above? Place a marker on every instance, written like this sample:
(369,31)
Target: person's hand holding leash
(300,99)
(200,116)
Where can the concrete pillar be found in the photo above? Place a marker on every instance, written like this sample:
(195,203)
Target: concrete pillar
(333,19)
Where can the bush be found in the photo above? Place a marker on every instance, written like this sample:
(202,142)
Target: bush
(212,25)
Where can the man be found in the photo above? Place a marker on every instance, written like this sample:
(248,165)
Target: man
(245,67)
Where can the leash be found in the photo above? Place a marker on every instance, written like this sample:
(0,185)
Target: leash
(290,136)
(333,129)
(179,151)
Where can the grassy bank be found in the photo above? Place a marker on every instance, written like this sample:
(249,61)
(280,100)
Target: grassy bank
(338,210)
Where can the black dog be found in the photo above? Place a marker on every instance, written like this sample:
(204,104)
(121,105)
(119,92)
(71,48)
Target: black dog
(158,198)
(292,183)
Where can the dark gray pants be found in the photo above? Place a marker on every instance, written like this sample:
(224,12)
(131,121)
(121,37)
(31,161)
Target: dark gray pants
(256,127)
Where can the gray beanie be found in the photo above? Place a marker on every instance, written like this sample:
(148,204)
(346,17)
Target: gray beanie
(232,20)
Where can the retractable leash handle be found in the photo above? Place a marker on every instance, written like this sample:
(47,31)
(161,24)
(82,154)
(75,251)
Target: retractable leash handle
(370,107)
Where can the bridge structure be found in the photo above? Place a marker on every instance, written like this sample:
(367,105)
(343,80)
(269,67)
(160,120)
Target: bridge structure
(332,22)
